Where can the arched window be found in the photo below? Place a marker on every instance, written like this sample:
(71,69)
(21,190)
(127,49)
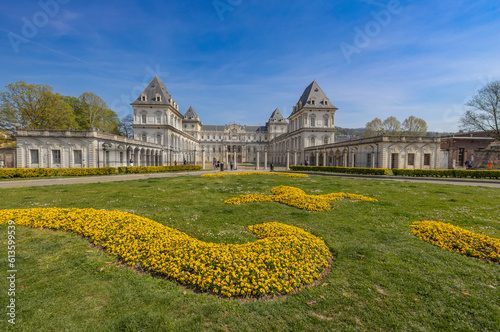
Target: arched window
(325,140)
(144,138)
(158,118)
(158,139)
(313,141)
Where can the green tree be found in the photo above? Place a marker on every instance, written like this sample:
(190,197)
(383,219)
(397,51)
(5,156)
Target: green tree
(484,111)
(392,126)
(374,128)
(33,106)
(95,114)
(414,126)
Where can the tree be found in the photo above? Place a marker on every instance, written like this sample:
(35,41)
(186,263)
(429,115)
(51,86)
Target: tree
(96,115)
(414,126)
(125,126)
(483,113)
(392,126)
(374,128)
(33,106)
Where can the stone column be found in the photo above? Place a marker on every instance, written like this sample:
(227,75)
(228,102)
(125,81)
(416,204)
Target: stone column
(325,161)
(317,158)
(287,160)
(295,157)
(265,159)
(234,158)
(258,160)
(203,159)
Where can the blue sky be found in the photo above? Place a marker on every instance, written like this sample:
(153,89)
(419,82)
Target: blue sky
(237,60)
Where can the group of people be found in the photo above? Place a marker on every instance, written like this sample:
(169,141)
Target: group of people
(217,164)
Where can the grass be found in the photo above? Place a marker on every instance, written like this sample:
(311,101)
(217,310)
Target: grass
(383,276)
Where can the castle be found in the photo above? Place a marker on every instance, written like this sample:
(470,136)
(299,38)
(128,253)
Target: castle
(157,119)
(165,136)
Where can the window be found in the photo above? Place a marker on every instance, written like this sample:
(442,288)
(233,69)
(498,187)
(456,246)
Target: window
(427,159)
(313,122)
(158,139)
(313,141)
(34,156)
(144,138)
(121,157)
(143,98)
(158,97)
(411,159)
(313,102)
(326,122)
(369,159)
(325,140)
(56,156)
(77,156)
(158,118)
(144,119)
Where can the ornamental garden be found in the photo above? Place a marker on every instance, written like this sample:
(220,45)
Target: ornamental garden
(291,252)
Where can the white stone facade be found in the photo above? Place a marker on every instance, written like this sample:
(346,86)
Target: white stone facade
(77,149)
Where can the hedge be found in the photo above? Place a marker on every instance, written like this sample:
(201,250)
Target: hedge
(348,170)
(44,172)
(450,173)
(157,169)
(6,173)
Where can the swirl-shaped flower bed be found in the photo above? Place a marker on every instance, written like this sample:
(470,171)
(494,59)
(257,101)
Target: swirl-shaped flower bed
(284,258)
(298,198)
(221,175)
(456,239)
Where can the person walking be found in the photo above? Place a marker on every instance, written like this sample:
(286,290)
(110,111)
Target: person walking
(231,164)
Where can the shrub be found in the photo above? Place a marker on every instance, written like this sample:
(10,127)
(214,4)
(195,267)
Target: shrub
(44,172)
(451,173)
(335,169)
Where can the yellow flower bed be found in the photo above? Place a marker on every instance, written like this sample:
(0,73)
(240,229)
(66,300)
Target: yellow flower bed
(221,175)
(456,239)
(298,198)
(283,258)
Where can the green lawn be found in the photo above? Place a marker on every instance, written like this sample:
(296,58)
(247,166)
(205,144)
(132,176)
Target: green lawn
(383,277)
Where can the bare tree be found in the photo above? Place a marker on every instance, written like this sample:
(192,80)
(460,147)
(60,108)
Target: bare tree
(483,113)
(125,126)
(414,126)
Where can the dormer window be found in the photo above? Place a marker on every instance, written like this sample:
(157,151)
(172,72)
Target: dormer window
(158,97)
(325,101)
(143,98)
(313,101)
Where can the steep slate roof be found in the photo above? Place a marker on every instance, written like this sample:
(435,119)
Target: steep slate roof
(313,91)
(154,87)
(276,116)
(191,114)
